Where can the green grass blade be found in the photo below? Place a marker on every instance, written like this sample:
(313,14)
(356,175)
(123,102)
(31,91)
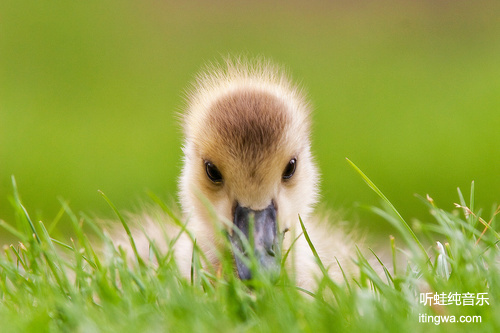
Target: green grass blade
(331,284)
(56,220)
(344,276)
(13,231)
(386,271)
(393,252)
(287,253)
(23,210)
(472,196)
(405,225)
(19,258)
(127,229)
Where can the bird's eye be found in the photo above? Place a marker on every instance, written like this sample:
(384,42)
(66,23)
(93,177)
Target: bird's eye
(213,173)
(290,169)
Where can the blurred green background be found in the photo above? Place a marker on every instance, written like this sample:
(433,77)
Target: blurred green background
(408,90)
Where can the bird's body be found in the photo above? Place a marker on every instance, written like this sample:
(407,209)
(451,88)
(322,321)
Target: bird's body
(247,158)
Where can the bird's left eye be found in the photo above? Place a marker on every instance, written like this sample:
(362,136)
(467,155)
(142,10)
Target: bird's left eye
(213,173)
(290,169)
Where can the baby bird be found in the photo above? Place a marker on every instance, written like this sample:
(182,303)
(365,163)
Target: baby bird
(248,171)
(248,161)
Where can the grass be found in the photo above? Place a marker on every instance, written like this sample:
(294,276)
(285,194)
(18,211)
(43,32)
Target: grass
(66,285)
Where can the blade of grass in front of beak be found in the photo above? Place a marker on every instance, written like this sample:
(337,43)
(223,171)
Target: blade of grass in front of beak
(229,225)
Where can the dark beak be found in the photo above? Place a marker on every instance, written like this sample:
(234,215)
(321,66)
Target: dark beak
(257,245)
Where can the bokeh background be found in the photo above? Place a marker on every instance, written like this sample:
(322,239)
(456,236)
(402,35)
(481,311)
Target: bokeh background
(408,90)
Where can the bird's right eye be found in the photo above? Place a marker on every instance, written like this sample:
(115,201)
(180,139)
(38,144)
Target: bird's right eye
(213,173)
(290,169)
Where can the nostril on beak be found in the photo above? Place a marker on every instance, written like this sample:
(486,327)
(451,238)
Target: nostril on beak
(270,251)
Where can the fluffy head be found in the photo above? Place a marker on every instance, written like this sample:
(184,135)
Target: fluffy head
(249,121)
